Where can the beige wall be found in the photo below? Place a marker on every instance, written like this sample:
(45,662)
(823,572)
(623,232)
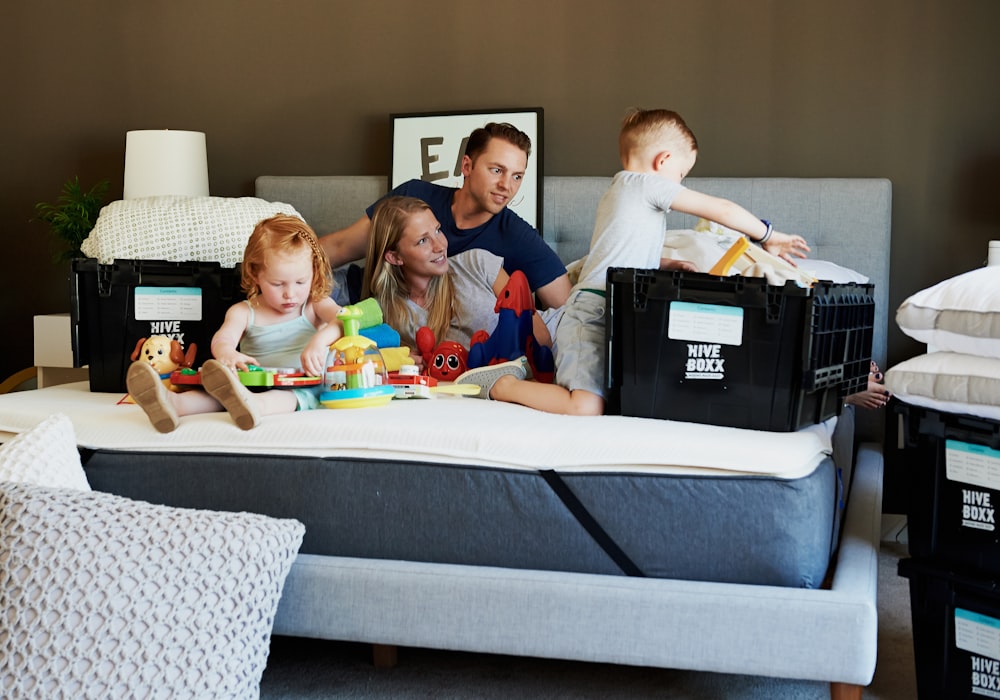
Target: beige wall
(904,89)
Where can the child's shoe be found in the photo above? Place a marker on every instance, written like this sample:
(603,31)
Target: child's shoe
(148,391)
(488,375)
(224,386)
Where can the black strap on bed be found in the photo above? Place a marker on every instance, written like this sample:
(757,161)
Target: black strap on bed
(589,524)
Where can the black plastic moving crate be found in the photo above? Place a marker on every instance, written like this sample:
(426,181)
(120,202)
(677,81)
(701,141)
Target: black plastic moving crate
(734,351)
(953,461)
(956,631)
(115,305)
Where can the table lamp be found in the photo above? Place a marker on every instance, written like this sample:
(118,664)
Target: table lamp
(165,161)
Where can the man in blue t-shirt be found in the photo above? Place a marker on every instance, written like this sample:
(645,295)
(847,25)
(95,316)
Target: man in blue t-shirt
(476,214)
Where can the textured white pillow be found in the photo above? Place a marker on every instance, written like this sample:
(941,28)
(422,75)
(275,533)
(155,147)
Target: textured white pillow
(104,597)
(952,377)
(46,455)
(178,228)
(961,314)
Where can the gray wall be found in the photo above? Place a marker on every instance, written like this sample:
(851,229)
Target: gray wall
(903,89)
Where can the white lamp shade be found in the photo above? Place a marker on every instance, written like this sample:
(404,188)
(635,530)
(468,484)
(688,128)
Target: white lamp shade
(165,161)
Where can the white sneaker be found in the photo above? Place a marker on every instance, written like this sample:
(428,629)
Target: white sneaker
(488,375)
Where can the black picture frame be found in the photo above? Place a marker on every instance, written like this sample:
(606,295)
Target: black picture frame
(429,146)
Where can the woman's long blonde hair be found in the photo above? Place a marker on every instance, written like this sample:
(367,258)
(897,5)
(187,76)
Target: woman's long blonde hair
(387,283)
(283,233)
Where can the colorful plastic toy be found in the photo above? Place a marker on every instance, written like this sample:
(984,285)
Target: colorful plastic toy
(357,375)
(513,336)
(409,384)
(254,376)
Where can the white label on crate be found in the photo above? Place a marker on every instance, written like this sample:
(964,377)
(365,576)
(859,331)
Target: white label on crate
(979,635)
(167,303)
(705,323)
(972,464)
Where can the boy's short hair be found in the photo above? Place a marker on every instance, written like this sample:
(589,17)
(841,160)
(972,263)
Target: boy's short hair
(480,138)
(645,128)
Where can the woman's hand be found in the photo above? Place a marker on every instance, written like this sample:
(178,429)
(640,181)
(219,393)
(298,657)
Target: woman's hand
(786,246)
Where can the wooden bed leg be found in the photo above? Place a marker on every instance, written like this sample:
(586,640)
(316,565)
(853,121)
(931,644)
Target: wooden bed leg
(845,691)
(385,655)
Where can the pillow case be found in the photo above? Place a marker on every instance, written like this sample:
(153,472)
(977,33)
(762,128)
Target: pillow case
(46,455)
(112,598)
(178,228)
(961,314)
(948,377)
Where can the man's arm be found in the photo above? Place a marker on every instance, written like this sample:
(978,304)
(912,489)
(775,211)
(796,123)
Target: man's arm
(347,245)
(555,293)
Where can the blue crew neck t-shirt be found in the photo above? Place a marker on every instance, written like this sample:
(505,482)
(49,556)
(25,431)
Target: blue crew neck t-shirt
(505,234)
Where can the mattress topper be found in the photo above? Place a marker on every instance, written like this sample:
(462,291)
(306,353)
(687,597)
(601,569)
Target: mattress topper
(446,429)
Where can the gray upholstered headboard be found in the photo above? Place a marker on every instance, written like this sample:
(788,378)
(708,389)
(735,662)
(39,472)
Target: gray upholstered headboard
(845,220)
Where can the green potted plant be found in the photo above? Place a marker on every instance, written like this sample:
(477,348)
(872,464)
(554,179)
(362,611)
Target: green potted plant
(73,215)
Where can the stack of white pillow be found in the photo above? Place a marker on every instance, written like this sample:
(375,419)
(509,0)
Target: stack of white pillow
(959,320)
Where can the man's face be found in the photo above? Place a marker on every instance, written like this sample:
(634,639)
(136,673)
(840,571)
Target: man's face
(494,178)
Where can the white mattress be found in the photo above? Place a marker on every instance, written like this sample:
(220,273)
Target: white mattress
(446,429)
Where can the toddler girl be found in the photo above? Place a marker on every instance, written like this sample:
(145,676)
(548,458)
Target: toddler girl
(287,320)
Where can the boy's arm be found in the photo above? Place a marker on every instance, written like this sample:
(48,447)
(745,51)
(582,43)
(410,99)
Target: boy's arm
(227,339)
(346,245)
(732,215)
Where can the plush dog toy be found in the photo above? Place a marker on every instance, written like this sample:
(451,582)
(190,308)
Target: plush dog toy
(163,354)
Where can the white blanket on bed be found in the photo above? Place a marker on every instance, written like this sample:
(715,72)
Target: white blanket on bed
(446,429)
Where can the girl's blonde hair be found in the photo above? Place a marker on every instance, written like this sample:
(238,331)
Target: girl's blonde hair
(646,129)
(386,281)
(284,234)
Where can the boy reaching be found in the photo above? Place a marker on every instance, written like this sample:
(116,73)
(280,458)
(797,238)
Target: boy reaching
(657,151)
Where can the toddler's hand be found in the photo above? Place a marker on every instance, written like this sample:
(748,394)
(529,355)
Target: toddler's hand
(785,246)
(314,358)
(236,360)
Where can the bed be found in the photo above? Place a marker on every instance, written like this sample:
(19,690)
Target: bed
(479,537)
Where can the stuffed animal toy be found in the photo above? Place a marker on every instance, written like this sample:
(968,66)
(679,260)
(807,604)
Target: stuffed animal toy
(164,355)
(445,360)
(513,336)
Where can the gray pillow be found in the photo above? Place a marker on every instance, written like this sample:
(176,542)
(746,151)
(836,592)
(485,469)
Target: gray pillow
(106,597)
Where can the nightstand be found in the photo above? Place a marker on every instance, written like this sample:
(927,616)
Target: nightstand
(54,351)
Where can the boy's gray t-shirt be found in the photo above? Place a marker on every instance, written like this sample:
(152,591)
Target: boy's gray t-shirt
(630,226)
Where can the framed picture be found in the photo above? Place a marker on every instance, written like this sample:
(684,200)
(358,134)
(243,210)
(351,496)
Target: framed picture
(429,146)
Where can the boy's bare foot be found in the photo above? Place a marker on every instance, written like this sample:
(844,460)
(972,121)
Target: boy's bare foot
(225,387)
(147,390)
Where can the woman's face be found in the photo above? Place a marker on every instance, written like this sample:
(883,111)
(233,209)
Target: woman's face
(422,250)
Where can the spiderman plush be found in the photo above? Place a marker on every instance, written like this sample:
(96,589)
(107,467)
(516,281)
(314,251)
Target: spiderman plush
(513,336)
